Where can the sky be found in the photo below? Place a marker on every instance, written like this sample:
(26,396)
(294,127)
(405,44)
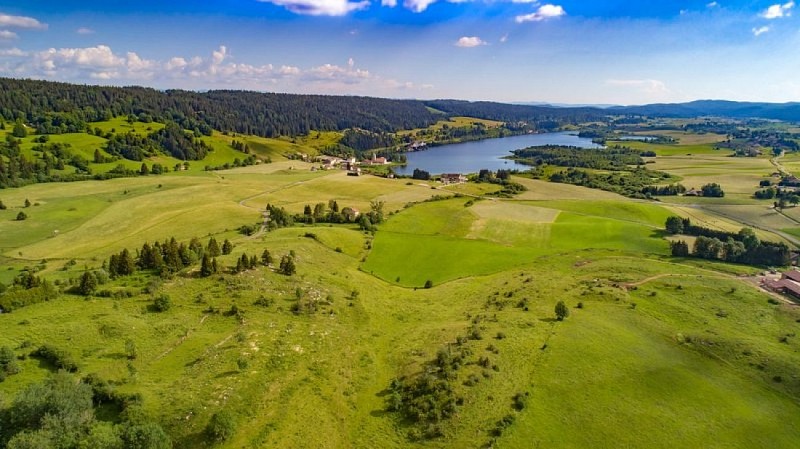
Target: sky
(566,52)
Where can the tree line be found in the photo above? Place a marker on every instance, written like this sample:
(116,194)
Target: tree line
(742,247)
(261,114)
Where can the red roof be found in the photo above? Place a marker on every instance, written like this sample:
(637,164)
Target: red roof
(793,275)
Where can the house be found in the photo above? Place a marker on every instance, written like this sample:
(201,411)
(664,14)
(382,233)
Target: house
(417,146)
(788,284)
(329,162)
(693,192)
(453,178)
(793,275)
(354,172)
(375,161)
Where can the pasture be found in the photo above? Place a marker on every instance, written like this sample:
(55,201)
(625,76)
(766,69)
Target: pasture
(656,352)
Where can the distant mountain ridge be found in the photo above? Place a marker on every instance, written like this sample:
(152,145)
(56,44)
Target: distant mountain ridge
(717,108)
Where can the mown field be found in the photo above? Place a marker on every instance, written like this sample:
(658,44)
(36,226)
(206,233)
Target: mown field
(656,352)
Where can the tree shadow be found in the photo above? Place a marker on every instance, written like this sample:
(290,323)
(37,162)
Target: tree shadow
(548,320)
(227,374)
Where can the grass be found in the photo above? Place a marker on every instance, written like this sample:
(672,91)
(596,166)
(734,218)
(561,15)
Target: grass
(689,358)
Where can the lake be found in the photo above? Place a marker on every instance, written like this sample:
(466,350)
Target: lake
(471,157)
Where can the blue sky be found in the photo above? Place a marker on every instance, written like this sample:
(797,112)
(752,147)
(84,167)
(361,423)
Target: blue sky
(571,51)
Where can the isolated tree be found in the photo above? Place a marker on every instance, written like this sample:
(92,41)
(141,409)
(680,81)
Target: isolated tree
(88,283)
(144,170)
(27,202)
(19,130)
(562,311)
(213,247)
(376,211)
(429,284)
(287,265)
(98,157)
(227,247)
(206,268)
(21,216)
(674,225)
(3,206)
(266,257)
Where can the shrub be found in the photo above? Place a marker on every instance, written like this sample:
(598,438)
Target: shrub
(221,427)
(162,303)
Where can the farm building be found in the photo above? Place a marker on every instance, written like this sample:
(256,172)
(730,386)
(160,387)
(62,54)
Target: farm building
(788,284)
(453,178)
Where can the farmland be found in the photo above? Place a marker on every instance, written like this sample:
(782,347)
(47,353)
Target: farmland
(667,346)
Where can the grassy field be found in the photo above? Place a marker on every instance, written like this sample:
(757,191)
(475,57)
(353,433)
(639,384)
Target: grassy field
(657,352)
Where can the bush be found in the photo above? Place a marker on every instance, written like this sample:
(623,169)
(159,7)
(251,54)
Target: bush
(429,284)
(162,303)
(22,216)
(221,427)
(562,311)
(59,358)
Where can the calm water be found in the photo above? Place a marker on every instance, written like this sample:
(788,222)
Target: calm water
(471,157)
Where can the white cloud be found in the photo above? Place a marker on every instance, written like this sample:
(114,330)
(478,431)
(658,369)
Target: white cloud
(778,11)
(504,38)
(545,12)
(320,7)
(759,31)
(418,5)
(12,52)
(6,35)
(389,3)
(218,69)
(469,42)
(84,30)
(650,87)
(712,5)
(7,21)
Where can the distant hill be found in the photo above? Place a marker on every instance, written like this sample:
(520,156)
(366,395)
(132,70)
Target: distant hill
(718,108)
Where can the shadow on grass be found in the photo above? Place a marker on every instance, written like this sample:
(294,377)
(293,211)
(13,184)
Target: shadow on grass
(548,320)
(227,374)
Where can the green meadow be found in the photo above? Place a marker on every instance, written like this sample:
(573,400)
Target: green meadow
(656,351)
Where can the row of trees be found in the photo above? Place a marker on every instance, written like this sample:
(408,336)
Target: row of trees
(742,247)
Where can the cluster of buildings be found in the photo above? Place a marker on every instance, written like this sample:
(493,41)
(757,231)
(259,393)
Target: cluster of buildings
(788,284)
(350,164)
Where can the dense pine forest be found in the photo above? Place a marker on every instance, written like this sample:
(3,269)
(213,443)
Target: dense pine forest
(58,108)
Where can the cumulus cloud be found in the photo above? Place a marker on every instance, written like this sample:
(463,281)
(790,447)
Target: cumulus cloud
(389,3)
(759,31)
(545,12)
(6,35)
(418,5)
(469,42)
(712,5)
(8,21)
(320,7)
(12,52)
(219,68)
(778,11)
(84,30)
